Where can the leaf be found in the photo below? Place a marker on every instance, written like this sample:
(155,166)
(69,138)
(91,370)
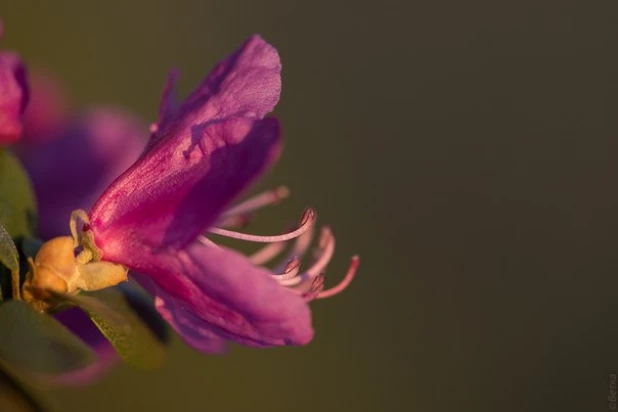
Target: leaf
(38,343)
(142,304)
(130,336)
(30,246)
(17,201)
(9,257)
(8,252)
(16,394)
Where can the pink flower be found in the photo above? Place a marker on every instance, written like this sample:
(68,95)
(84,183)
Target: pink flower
(13,95)
(202,155)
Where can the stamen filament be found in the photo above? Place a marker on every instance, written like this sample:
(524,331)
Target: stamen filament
(326,251)
(267,253)
(258,201)
(306,221)
(344,283)
(205,241)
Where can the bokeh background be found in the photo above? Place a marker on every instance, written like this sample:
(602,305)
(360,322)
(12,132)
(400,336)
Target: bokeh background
(466,150)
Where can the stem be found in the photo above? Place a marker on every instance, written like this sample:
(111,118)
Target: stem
(15,284)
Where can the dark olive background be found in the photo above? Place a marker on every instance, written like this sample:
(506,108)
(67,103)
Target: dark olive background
(467,150)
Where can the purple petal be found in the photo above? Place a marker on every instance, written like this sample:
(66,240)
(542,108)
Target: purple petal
(178,188)
(78,323)
(199,159)
(74,167)
(13,97)
(192,329)
(207,292)
(246,84)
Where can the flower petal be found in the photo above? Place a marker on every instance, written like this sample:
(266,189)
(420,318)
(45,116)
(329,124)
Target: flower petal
(72,169)
(13,97)
(178,188)
(247,84)
(192,329)
(206,291)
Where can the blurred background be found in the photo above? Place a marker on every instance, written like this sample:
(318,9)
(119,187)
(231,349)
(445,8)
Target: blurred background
(466,150)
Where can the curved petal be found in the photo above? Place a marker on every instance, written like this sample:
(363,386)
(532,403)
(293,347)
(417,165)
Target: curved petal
(190,327)
(72,169)
(13,97)
(201,156)
(247,84)
(205,292)
(178,188)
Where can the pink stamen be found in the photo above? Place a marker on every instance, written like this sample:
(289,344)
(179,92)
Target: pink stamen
(305,223)
(267,253)
(258,201)
(205,241)
(326,251)
(234,221)
(290,271)
(301,244)
(344,283)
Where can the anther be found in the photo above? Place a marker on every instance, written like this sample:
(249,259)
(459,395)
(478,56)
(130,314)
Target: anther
(291,270)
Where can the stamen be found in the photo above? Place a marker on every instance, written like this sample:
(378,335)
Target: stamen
(325,251)
(205,241)
(234,221)
(309,290)
(301,245)
(266,253)
(269,197)
(306,221)
(344,283)
(316,287)
(290,271)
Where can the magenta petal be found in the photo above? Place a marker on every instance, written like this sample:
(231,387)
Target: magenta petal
(169,104)
(78,323)
(72,168)
(206,291)
(13,97)
(247,84)
(192,329)
(177,189)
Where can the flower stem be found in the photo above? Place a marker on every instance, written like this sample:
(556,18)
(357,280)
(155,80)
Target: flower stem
(15,285)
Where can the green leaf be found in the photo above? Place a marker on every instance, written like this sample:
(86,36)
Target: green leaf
(17,393)
(9,257)
(142,304)
(38,343)
(17,202)
(129,335)
(8,252)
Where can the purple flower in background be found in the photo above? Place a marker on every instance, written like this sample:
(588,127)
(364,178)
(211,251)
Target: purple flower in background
(81,325)
(74,163)
(201,156)
(13,95)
